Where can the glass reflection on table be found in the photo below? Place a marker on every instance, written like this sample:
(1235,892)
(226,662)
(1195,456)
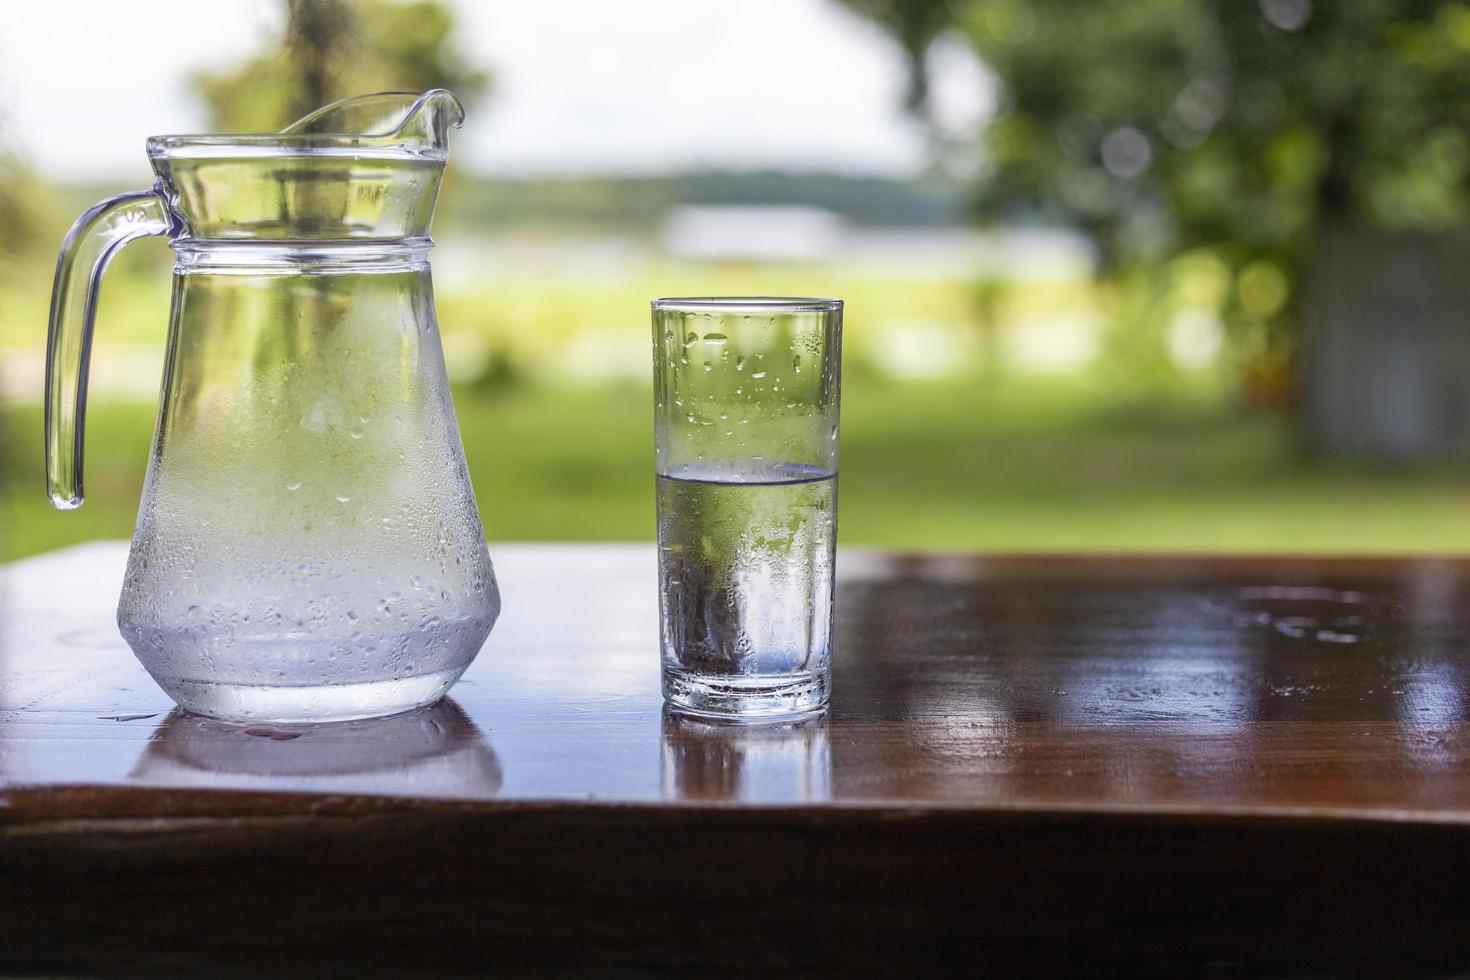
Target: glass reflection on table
(767,762)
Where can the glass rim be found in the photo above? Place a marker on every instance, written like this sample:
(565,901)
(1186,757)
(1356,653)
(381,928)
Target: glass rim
(746,304)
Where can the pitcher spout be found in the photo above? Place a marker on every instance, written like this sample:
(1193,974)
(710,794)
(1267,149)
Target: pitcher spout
(417,123)
(363,168)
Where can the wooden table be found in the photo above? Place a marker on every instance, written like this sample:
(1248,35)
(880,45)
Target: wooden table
(1160,765)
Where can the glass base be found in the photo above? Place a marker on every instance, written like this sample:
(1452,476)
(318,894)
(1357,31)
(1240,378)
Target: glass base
(747,697)
(309,704)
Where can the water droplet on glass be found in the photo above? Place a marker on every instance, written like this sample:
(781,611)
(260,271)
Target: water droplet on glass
(740,363)
(796,364)
(293,486)
(356,433)
(708,367)
(715,338)
(342,498)
(759,374)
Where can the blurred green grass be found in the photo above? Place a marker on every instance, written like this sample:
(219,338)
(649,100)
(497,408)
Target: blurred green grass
(1019,464)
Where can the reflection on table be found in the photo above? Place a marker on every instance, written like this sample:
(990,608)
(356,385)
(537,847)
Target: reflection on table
(780,762)
(436,752)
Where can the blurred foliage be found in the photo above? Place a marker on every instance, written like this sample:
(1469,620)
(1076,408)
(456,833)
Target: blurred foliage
(332,49)
(1236,131)
(25,202)
(642,202)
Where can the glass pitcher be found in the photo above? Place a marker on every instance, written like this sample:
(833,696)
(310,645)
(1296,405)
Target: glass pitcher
(308,547)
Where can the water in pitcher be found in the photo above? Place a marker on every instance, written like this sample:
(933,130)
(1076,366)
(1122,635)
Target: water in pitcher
(304,548)
(745,565)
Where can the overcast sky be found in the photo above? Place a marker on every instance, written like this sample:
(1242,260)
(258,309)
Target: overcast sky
(581,85)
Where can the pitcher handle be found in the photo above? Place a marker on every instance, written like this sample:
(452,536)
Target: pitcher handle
(89,246)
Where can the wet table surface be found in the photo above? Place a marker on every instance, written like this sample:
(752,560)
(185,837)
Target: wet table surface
(1245,764)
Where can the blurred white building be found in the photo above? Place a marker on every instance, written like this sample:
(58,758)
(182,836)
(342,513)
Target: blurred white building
(752,233)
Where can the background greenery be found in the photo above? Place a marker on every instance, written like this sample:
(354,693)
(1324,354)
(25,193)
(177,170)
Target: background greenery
(1130,451)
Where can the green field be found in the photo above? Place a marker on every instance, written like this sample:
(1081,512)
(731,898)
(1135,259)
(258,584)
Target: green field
(988,458)
(963,464)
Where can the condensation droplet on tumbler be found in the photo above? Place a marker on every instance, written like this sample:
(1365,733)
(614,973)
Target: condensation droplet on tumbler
(708,367)
(796,364)
(715,339)
(356,433)
(832,432)
(293,486)
(342,498)
(758,374)
(692,339)
(740,361)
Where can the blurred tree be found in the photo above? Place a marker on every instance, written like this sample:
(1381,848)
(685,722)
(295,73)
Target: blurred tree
(331,49)
(24,201)
(1256,134)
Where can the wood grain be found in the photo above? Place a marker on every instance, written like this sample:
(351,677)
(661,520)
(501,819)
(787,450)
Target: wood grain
(1152,765)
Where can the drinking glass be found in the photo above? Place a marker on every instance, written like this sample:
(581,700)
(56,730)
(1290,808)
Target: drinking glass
(745,445)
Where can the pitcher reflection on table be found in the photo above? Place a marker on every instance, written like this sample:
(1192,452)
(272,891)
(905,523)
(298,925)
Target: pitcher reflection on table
(746,396)
(437,752)
(308,546)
